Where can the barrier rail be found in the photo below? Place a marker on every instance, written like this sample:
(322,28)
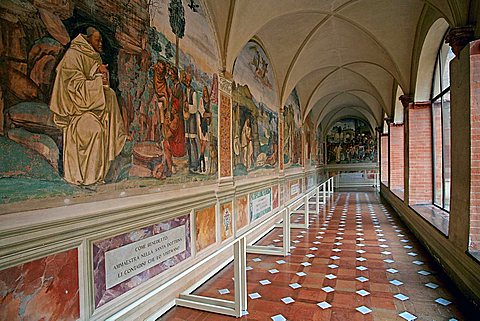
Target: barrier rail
(237,307)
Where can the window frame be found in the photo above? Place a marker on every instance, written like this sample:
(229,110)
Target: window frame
(438,71)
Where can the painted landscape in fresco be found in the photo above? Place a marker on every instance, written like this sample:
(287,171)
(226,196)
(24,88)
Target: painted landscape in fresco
(292,132)
(102,96)
(255,115)
(351,141)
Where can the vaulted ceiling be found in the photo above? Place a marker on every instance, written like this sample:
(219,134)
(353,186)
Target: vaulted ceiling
(345,57)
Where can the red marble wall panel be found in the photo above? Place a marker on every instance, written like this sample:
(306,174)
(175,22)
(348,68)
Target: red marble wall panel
(44,289)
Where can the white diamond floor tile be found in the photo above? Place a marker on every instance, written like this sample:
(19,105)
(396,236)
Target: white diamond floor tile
(288,300)
(431,285)
(328,289)
(363,292)
(278,317)
(443,301)
(363,309)
(407,316)
(423,272)
(396,282)
(401,297)
(324,305)
(362,279)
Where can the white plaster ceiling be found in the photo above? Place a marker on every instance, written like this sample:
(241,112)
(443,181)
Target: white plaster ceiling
(343,56)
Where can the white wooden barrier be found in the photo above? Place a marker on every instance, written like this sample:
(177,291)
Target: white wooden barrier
(237,307)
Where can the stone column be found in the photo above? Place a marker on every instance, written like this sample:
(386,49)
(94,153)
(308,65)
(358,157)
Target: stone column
(406,100)
(461,142)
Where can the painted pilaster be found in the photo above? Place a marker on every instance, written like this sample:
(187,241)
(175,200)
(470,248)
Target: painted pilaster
(225,130)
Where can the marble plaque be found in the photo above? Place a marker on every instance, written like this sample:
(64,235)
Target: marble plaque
(132,259)
(294,190)
(260,203)
(108,287)
(311,181)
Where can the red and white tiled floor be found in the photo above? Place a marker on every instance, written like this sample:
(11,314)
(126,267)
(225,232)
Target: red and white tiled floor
(356,262)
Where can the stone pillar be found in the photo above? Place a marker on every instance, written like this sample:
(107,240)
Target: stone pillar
(2,105)
(420,153)
(461,141)
(396,159)
(475,147)
(384,159)
(406,101)
(225,129)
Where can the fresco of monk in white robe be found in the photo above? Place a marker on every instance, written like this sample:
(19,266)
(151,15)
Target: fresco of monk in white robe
(86,109)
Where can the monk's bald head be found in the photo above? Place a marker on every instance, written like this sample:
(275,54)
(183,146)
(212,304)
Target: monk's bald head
(94,38)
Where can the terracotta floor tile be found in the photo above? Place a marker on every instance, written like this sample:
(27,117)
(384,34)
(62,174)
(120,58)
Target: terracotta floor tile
(344,299)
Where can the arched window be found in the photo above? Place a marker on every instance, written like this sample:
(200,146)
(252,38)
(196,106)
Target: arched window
(441,128)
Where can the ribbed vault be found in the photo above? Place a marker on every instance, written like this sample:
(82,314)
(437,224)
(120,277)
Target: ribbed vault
(343,56)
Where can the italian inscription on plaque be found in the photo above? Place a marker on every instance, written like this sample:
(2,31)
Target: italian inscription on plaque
(294,190)
(311,181)
(129,260)
(260,203)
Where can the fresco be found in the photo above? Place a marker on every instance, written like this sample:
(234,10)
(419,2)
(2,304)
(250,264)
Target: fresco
(140,270)
(205,227)
(242,212)
(310,148)
(320,146)
(43,289)
(292,132)
(128,86)
(226,212)
(255,112)
(351,141)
